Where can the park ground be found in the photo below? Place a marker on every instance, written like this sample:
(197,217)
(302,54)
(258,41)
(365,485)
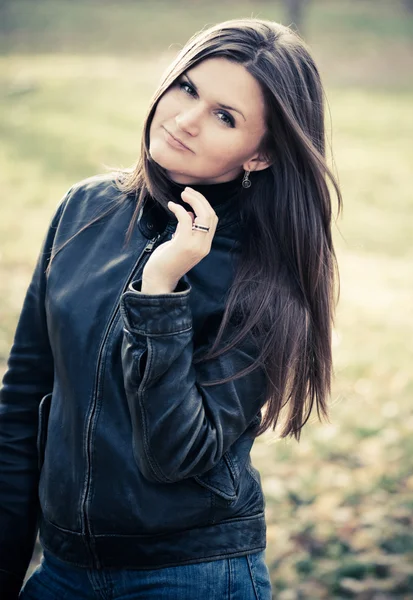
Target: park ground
(75,79)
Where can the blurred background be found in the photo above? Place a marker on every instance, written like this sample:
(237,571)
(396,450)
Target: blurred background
(76,77)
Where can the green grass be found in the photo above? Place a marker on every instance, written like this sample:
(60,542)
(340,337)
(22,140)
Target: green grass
(136,26)
(339,503)
(355,41)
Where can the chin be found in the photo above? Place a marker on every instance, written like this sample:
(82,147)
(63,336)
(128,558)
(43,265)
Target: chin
(163,158)
(157,155)
(171,166)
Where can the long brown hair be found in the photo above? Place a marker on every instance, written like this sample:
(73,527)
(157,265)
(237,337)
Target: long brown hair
(284,285)
(282,295)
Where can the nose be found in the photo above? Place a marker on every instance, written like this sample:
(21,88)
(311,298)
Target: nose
(189,120)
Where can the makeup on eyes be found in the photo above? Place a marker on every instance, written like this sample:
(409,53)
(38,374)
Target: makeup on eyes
(186,82)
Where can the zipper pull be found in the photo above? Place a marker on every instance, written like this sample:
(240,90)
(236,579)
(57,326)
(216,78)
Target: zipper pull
(152,242)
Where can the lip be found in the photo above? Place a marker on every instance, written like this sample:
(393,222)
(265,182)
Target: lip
(174,141)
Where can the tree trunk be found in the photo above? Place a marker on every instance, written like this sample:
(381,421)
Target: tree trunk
(4,17)
(295,14)
(408,4)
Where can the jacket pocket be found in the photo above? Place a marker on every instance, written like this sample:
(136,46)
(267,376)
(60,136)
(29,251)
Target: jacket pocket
(44,411)
(254,474)
(224,478)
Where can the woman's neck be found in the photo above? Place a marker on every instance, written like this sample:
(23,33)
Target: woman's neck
(215,193)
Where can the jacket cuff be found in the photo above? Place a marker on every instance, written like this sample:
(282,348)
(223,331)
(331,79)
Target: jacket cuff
(10,585)
(157,314)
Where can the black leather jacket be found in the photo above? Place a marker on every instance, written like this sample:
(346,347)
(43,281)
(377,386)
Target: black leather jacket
(108,442)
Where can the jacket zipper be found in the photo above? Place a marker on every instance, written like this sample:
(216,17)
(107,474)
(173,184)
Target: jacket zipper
(86,524)
(150,245)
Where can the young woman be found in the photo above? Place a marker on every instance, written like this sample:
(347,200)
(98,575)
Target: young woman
(175,309)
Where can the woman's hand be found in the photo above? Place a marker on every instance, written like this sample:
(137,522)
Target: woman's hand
(172,259)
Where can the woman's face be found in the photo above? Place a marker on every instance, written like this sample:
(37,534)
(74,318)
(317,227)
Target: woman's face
(209,124)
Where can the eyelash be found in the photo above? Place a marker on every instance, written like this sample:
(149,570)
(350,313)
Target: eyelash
(185,84)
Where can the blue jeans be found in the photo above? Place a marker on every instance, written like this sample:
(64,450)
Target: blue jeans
(240,578)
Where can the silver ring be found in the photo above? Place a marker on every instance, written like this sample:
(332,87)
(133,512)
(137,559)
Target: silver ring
(200,227)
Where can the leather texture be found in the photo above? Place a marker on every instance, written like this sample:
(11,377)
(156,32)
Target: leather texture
(109,442)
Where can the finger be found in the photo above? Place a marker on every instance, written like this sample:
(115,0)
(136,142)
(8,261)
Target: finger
(183,216)
(205,201)
(171,206)
(200,204)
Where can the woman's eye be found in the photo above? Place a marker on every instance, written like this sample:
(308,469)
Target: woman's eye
(187,88)
(227,119)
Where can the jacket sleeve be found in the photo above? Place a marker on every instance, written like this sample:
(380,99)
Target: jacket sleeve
(181,428)
(28,378)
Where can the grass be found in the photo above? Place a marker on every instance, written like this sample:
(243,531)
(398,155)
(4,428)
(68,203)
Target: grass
(339,503)
(136,26)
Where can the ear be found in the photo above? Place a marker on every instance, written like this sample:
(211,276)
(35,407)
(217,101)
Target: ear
(257,163)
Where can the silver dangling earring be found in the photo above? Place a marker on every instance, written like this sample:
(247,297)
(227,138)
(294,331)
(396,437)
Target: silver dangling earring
(246,183)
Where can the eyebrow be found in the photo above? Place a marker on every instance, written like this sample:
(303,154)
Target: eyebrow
(218,103)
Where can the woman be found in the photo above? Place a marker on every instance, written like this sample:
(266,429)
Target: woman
(144,365)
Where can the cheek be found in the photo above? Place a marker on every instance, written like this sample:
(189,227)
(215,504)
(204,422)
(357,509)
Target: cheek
(160,116)
(227,148)
(167,108)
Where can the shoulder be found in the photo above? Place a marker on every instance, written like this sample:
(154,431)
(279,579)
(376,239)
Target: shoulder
(89,197)
(101,187)
(88,201)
